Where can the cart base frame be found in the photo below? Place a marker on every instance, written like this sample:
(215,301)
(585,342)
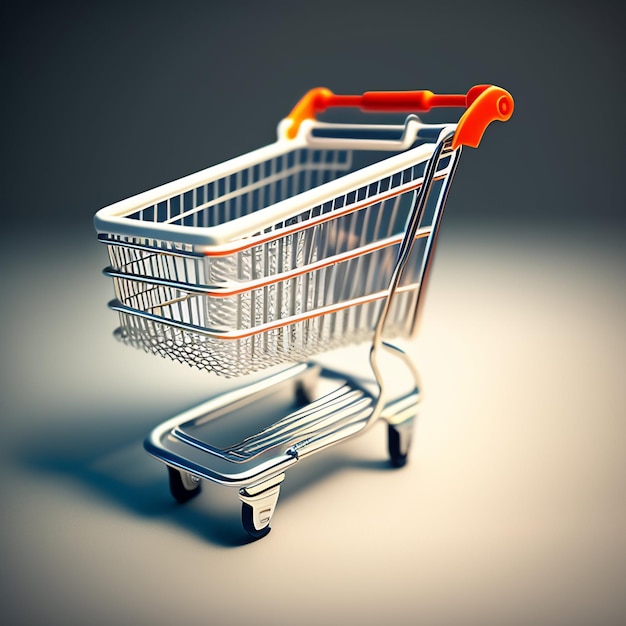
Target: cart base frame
(201,444)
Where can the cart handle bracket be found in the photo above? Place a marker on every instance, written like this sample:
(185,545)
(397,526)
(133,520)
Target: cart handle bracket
(483,103)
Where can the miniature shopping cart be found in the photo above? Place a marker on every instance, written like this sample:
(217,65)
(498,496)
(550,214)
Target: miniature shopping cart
(321,240)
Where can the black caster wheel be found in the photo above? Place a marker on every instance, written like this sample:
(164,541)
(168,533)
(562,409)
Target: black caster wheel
(248,524)
(396,457)
(184,486)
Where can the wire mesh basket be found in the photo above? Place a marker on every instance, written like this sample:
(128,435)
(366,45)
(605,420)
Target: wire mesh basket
(312,278)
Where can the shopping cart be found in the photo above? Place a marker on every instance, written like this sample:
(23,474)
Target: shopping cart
(320,240)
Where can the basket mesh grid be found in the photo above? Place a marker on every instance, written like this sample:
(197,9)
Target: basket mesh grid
(293,343)
(250,189)
(341,280)
(333,284)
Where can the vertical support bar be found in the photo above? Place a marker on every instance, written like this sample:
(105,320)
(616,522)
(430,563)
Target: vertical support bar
(409,237)
(432,242)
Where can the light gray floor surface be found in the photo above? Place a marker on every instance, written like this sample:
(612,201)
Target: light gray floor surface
(511,510)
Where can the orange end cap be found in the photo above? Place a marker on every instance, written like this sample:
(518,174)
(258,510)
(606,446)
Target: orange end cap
(491,104)
(311,103)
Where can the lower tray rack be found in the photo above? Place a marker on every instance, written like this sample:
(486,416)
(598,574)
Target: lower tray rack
(212,441)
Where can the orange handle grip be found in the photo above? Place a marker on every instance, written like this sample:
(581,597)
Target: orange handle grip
(484,103)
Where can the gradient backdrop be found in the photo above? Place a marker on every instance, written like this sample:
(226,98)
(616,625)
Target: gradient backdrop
(512,509)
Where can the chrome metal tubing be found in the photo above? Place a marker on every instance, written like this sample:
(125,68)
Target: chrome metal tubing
(421,199)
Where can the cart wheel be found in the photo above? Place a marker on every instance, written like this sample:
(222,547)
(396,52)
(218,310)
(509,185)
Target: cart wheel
(247,515)
(398,449)
(183,485)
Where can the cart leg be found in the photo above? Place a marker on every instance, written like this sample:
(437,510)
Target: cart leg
(183,485)
(305,386)
(399,437)
(259,502)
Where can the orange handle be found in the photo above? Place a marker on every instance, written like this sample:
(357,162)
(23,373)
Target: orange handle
(484,104)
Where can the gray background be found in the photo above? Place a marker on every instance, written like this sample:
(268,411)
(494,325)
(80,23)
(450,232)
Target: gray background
(512,508)
(103,100)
